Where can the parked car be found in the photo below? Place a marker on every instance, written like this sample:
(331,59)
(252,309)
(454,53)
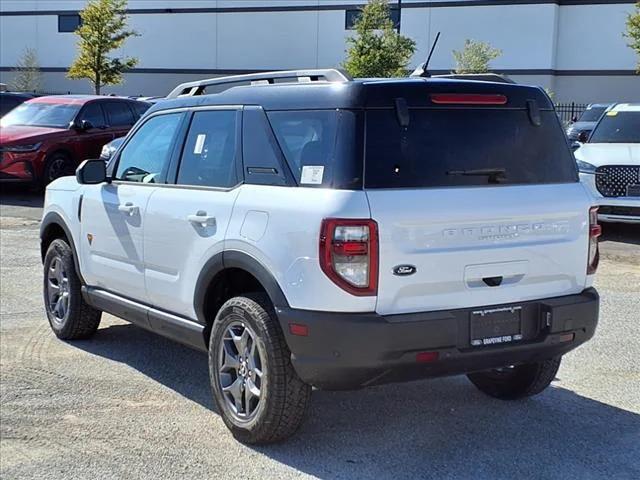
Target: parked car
(587,121)
(10,100)
(609,164)
(267,246)
(47,137)
(110,148)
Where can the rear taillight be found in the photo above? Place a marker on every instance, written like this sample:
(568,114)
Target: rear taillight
(349,254)
(595,231)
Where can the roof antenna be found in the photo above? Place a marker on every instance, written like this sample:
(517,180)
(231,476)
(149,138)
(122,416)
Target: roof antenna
(422,71)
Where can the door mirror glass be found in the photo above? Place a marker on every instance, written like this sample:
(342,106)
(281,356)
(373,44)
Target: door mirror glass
(91,172)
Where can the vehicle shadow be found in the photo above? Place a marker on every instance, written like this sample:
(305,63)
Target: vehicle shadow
(20,196)
(621,232)
(440,428)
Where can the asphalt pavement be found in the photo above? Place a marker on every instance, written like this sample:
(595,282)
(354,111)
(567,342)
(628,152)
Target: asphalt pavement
(129,404)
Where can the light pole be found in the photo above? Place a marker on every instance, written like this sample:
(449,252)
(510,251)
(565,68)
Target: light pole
(399,14)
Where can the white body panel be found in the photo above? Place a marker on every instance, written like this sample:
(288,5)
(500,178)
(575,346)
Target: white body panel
(177,246)
(289,247)
(602,154)
(114,216)
(457,237)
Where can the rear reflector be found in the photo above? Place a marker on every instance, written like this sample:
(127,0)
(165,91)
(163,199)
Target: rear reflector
(299,329)
(426,357)
(595,231)
(468,99)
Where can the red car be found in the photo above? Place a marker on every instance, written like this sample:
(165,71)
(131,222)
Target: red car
(47,137)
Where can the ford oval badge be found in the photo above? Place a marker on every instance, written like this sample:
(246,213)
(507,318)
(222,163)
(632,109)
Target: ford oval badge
(403,270)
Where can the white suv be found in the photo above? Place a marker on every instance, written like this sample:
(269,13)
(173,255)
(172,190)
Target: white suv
(609,164)
(308,230)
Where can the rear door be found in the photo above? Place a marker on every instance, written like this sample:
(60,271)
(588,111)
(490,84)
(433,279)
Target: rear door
(476,205)
(120,117)
(186,223)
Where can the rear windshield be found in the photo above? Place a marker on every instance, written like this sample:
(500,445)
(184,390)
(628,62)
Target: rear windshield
(465,147)
(592,114)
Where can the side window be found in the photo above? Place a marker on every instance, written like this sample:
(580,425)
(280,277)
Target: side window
(262,158)
(119,114)
(146,157)
(93,113)
(139,108)
(209,155)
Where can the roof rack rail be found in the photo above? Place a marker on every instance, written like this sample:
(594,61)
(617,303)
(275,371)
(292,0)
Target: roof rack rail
(329,75)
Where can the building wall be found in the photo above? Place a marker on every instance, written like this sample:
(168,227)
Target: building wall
(575,49)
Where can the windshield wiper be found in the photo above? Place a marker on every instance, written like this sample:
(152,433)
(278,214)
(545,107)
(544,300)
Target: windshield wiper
(494,174)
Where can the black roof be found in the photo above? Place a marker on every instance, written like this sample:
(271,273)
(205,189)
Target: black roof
(356,94)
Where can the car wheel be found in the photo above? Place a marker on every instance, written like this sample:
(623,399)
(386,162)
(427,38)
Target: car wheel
(58,165)
(258,393)
(69,315)
(518,381)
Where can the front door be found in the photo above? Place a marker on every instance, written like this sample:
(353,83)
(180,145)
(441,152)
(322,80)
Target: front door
(113,215)
(88,143)
(186,224)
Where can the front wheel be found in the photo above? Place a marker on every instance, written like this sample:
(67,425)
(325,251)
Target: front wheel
(70,317)
(58,165)
(517,381)
(258,393)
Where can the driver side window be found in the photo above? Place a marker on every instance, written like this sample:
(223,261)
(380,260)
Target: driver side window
(146,157)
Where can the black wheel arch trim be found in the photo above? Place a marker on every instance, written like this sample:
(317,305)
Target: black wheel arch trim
(54,218)
(240,260)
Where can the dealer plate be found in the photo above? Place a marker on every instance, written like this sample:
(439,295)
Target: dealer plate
(496,326)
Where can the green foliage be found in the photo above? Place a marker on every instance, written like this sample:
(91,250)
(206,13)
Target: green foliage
(633,32)
(377,50)
(475,57)
(103,29)
(27,76)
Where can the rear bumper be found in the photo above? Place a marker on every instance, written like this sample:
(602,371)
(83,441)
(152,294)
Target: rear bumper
(352,350)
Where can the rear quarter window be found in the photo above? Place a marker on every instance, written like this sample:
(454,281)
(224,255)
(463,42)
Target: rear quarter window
(443,148)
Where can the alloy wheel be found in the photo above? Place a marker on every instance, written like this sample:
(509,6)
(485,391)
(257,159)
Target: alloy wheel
(58,290)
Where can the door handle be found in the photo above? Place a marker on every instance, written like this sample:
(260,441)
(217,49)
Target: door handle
(128,208)
(201,218)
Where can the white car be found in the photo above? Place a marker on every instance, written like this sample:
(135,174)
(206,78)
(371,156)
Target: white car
(609,164)
(314,230)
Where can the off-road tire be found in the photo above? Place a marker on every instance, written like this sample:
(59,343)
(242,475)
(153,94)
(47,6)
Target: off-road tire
(286,397)
(517,382)
(81,320)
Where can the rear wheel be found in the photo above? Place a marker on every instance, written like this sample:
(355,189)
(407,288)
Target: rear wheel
(259,395)
(518,381)
(69,315)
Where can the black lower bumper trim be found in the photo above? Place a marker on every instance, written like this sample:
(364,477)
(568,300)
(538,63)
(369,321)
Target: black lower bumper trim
(352,350)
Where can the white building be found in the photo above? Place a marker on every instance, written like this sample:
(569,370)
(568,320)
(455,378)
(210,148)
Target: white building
(575,48)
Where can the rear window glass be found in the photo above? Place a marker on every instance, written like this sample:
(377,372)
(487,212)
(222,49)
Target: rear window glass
(319,146)
(465,147)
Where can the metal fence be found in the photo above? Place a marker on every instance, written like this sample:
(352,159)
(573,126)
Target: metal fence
(568,111)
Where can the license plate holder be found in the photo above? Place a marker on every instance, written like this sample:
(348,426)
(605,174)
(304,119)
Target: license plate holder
(496,326)
(633,190)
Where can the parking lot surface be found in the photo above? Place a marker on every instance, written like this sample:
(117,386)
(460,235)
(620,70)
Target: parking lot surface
(129,404)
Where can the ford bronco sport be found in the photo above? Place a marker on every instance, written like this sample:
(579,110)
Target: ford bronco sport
(306,229)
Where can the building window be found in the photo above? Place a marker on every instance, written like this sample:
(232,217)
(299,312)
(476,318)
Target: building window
(68,23)
(351,17)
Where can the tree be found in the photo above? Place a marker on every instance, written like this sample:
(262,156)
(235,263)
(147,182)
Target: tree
(377,50)
(633,32)
(103,29)
(475,57)
(27,76)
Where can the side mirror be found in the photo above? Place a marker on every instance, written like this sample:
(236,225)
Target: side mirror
(583,137)
(574,119)
(84,125)
(91,172)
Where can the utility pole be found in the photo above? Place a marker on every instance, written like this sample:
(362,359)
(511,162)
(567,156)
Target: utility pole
(399,14)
